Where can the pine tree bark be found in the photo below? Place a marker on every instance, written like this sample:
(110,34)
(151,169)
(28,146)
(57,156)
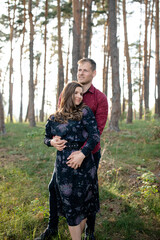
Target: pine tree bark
(123,98)
(11,24)
(45,55)
(31,113)
(76,36)
(150,41)
(21,56)
(2,124)
(60,83)
(106,60)
(115,111)
(140,88)
(145,66)
(87,27)
(68,53)
(130,112)
(157,71)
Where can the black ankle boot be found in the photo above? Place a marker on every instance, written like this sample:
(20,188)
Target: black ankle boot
(48,234)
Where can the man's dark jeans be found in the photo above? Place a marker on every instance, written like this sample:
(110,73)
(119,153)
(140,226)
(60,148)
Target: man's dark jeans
(53,218)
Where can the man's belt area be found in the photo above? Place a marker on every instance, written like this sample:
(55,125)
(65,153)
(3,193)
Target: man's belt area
(73,145)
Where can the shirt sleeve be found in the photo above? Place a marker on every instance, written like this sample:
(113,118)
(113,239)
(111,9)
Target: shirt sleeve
(48,135)
(90,126)
(101,112)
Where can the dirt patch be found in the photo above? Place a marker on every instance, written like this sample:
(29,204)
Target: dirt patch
(6,157)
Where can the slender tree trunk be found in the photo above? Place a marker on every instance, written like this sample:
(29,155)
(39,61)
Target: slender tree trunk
(37,58)
(145,67)
(82,50)
(45,54)
(2,124)
(130,112)
(104,57)
(11,24)
(150,41)
(123,99)
(87,32)
(115,111)
(21,56)
(140,69)
(106,60)
(76,36)
(157,71)
(60,83)
(31,114)
(68,53)
(140,81)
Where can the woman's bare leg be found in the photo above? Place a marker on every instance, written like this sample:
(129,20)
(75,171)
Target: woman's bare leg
(75,232)
(82,224)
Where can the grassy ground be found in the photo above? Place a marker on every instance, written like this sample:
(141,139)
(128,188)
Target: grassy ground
(129,177)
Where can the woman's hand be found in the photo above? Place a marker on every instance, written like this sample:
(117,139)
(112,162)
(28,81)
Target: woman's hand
(75,159)
(58,143)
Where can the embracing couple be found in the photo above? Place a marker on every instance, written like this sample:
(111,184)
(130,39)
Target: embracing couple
(74,130)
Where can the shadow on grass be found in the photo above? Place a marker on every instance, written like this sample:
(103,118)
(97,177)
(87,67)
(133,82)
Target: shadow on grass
(118,220)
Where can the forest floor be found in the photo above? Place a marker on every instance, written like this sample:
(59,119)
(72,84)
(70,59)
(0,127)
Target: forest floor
(129,183)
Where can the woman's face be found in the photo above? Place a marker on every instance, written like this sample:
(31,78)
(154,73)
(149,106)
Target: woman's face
(78,96)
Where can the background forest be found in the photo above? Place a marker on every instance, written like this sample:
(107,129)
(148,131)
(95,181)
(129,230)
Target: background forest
(41,42)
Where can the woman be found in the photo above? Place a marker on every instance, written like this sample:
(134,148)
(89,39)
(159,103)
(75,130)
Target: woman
(76,182)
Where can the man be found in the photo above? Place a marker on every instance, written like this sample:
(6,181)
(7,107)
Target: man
(97,101)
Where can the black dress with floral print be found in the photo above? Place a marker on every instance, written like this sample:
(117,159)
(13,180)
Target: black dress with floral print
(77,189)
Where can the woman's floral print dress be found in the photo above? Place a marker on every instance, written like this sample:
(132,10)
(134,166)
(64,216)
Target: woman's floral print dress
(77,189)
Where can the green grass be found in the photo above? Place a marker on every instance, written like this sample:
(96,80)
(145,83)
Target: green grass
(129,176)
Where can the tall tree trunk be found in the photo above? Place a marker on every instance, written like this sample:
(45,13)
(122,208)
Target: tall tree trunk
(31,114)
(123,98)
(140,80)
(115,111)
(87,27)
(2,124)
(45,54)
(76,36)
(11,24)
(83,19)
(150,41)
(68,53)
(130,112)
(145,67)
(106,60)
(157,71)
(104,57)
(60,83)
(140,89)
(21,56)
(37,58)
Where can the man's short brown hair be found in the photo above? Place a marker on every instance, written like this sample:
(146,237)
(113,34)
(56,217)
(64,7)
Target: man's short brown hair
(89,60)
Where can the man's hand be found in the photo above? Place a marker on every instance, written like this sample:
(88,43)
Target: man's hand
(75,159)
(58,143)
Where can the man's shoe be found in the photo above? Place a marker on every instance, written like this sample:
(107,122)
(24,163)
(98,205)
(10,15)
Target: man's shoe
(48,234)
(92,237)
(89,237)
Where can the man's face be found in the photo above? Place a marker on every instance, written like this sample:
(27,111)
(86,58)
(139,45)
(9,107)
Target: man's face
(85,74)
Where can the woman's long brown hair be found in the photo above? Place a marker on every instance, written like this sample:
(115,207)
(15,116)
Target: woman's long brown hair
(67,109)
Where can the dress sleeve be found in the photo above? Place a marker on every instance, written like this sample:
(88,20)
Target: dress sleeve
(90,125)
(48,135)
